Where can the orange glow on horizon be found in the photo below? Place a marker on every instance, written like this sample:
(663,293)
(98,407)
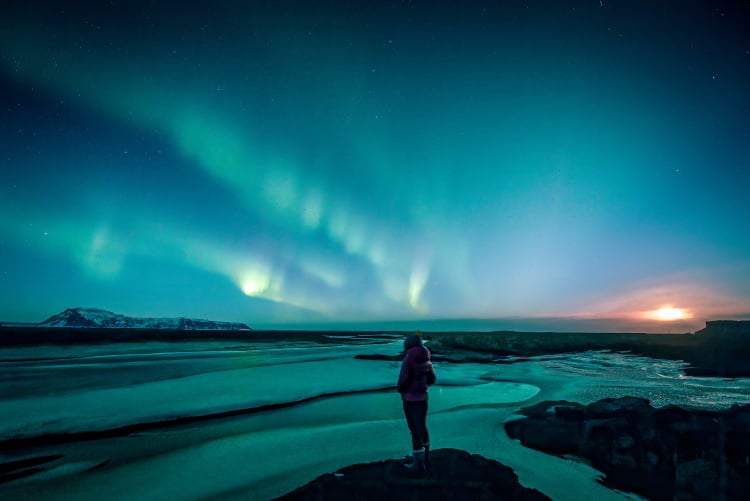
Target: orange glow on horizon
(669,314)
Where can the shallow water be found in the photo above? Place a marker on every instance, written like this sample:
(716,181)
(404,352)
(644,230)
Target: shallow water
(356,416)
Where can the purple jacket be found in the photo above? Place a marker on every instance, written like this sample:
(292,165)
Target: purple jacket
(416,374)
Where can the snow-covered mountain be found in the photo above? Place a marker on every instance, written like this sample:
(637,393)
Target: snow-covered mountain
(96,318)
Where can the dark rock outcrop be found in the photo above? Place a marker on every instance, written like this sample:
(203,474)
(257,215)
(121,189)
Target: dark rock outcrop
(455,475)
(723,328)
(723,349)
(667,453)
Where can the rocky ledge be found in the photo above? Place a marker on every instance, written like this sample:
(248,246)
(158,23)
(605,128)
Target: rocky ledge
(455,474)
(667,453)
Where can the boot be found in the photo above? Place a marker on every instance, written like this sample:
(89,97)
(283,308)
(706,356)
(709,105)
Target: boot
(427,456)
(417,465)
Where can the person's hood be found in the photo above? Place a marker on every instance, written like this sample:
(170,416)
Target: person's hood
(412,341)
(419,354)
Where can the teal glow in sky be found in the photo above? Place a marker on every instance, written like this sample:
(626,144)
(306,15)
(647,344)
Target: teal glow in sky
(283,163)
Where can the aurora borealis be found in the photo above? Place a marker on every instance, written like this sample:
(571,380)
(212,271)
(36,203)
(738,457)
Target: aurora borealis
(293,163)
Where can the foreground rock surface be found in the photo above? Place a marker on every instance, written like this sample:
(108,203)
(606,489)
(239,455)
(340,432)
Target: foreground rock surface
(667,453)
(455,474)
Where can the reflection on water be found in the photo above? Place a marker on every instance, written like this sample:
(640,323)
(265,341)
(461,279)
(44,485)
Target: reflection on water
(182,379)
(664,382)
(359,418)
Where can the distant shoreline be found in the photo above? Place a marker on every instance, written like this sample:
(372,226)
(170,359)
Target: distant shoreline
(32,335)
(18,334)
(722,349)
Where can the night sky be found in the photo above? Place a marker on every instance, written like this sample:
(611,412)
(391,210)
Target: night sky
(577,164)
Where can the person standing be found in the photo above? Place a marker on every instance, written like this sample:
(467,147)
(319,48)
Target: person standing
(416,375)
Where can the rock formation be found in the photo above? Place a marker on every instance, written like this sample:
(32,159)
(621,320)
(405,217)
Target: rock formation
(455,474)
(668,453)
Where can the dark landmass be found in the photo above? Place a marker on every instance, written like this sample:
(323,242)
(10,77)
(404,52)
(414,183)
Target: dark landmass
(455,474)
(663,454)
(721,349)
(31,335)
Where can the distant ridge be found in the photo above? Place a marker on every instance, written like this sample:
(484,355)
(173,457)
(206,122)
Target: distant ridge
(726,328)
(96,318)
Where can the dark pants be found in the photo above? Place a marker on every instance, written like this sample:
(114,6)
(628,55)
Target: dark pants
(416,418)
